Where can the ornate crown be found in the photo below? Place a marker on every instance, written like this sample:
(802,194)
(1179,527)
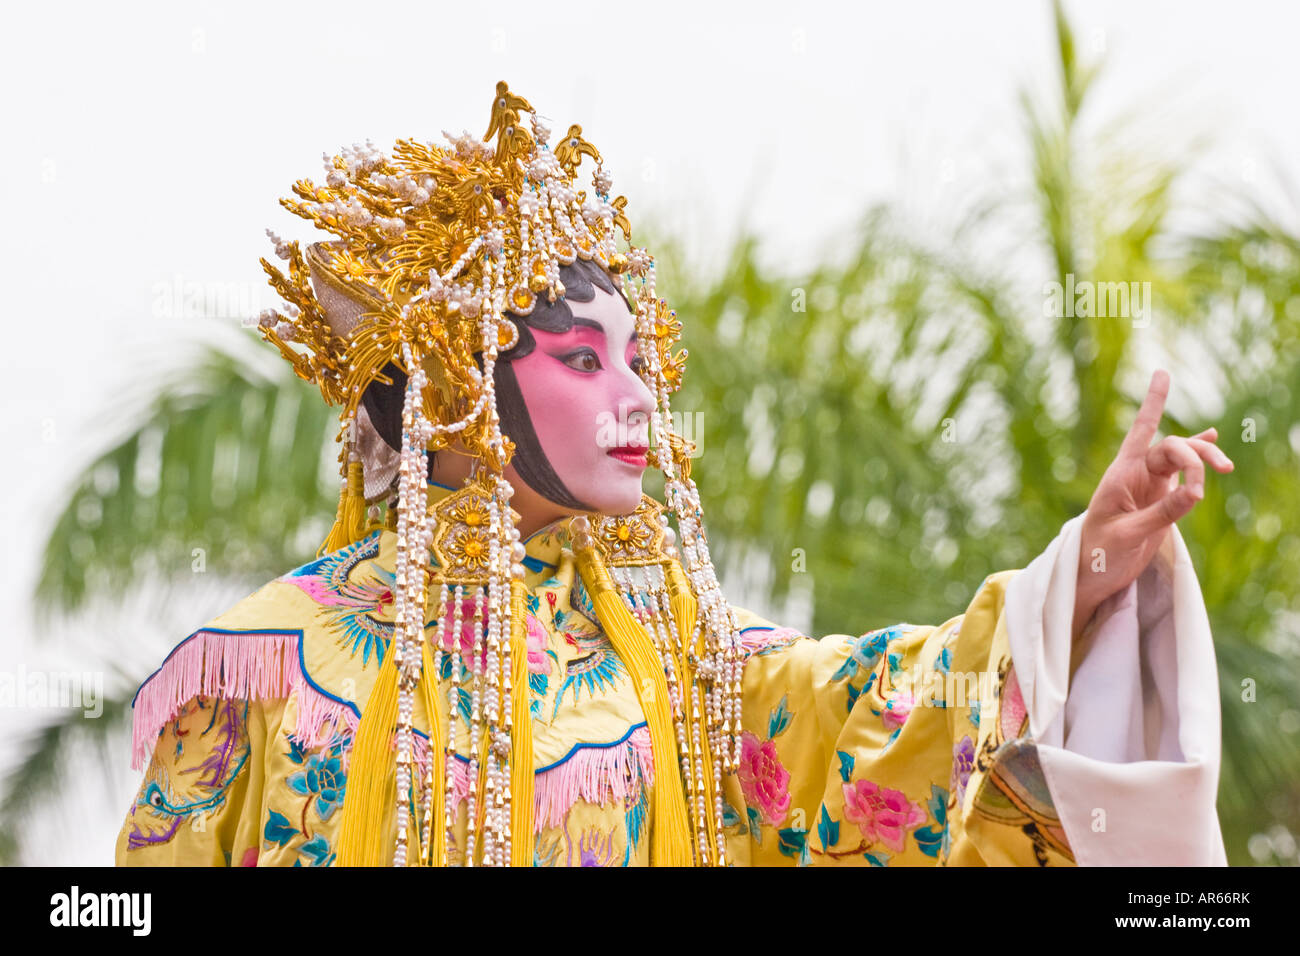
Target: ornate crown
(434,246)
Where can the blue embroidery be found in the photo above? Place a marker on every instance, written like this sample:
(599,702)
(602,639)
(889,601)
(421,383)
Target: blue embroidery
(597,671)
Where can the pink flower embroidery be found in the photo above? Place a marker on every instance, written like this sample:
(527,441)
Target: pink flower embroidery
(897,709)
(763,781)
(963,763)
(881,814)
(538,641)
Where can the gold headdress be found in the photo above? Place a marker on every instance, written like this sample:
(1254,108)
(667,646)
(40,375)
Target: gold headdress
(434,247)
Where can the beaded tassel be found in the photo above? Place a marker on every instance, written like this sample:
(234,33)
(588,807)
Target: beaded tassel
(453,699)
(436,775)
(413,537)
(644,592)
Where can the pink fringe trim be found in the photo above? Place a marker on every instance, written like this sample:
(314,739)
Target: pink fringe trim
(246,666)
(254,666)
(320,717)
(595,774)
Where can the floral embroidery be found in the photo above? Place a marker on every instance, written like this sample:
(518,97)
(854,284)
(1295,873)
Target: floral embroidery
(538,640)
(963,762)
(581,601)
(864,653)
(469,629)
(762,641)
(318,851)
(897,709)
(883,815)
(541,659)
(732,820)
(764,781)
(793,842)
(322,778)
(935,839)
(323,782)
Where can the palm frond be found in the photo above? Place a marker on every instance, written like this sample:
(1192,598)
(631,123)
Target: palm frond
(226,472)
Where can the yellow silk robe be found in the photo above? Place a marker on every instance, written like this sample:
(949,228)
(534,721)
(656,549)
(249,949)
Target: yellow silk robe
(906,745)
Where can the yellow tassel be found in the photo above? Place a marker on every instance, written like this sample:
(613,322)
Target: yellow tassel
(437,758)
(350,520)
(480,813)
(670,831)
(354,505)
(372,781)
(334,540)
(522,837)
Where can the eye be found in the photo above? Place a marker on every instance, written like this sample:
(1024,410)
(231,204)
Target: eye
(590,361)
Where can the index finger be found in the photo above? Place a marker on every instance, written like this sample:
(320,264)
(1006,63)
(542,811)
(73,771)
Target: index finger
(1148,418)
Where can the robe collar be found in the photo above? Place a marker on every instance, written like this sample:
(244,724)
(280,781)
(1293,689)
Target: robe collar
(542,548)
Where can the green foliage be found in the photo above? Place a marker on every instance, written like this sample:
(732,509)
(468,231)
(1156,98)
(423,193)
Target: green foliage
(853,396)
(225,475)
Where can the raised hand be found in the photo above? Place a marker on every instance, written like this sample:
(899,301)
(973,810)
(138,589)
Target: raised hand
(1138,498)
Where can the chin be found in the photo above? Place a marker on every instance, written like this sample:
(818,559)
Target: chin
(618,498)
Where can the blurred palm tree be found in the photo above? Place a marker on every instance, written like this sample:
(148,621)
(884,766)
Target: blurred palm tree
(836,440)
(225,474)
(836,457)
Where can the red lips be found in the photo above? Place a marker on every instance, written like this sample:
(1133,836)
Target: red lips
(632,454)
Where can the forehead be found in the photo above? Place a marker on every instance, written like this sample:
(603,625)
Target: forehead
(606,315)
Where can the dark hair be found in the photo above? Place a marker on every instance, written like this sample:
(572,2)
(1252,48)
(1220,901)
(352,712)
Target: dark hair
(581,278)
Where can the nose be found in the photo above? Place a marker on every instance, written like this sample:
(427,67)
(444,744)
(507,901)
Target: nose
(638,404)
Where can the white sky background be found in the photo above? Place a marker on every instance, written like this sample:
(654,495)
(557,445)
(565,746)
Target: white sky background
(148,144)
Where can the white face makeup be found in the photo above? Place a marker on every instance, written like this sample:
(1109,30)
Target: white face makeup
(589,408)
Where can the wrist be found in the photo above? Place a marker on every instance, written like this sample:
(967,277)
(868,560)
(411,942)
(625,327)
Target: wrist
(1084,610)
(1089,592)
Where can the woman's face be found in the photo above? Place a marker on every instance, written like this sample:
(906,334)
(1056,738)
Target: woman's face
(588,406)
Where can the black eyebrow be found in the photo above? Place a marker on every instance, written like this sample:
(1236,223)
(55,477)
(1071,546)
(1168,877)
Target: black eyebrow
(592,323)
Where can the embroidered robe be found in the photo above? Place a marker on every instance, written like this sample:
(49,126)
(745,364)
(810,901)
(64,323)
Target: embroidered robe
(976,741)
